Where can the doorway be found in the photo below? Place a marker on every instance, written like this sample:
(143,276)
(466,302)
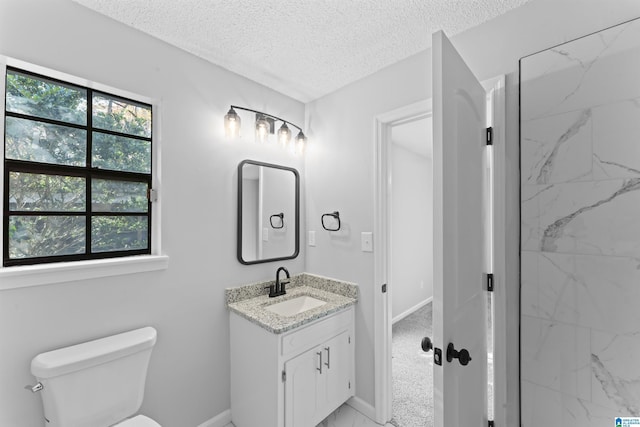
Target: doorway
(411,269)
(384,313)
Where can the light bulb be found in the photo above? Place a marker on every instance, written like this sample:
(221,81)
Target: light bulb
(231,123)
(263,128)
(284,134)
(301,142)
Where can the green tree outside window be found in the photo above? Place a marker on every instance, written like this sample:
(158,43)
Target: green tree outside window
(79,170)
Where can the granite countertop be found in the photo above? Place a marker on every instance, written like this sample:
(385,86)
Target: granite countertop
(250,301)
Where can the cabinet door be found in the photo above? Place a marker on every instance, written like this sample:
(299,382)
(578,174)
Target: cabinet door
(301,389)
(337,372)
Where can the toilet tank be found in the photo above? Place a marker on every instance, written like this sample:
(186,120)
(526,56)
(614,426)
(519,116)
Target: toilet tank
(96,383)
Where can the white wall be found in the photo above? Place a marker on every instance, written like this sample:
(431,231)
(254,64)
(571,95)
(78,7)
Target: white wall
(278,196)
(341,128)
(411,272)
(188,379)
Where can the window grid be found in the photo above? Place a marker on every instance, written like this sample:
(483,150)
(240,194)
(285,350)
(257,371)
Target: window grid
(88,172)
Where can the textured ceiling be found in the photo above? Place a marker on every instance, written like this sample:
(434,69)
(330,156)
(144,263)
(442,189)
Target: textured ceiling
(302,48)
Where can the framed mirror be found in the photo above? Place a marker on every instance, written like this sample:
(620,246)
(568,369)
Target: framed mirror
(268,212)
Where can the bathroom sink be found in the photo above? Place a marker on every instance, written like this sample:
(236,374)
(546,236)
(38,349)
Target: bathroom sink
(294,306)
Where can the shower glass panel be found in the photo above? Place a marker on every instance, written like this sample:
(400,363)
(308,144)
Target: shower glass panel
(580,230)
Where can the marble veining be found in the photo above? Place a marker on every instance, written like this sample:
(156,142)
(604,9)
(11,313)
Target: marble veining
(581,290)
(557,356)
(601,163)
(616,374)
(558,148)
(557,229)
(616,131)
(615,388)
(573,130)
(580,233)
(578,73)
(250,301)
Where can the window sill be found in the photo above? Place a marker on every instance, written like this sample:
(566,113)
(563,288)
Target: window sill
(38,275)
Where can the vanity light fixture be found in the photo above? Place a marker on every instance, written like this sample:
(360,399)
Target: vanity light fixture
(265,126)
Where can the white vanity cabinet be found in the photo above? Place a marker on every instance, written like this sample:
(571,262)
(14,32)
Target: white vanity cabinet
(293,379)
(317,382)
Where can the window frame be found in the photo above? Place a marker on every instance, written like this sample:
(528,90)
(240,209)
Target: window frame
(68,268)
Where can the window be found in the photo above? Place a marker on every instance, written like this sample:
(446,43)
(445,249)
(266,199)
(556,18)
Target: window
(77,172)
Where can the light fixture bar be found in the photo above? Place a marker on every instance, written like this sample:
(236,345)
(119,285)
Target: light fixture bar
(268,115)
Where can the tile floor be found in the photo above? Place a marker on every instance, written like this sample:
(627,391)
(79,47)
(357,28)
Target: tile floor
(345,416)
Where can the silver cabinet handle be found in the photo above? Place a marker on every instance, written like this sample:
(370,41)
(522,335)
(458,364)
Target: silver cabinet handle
(320,368)
(328,364)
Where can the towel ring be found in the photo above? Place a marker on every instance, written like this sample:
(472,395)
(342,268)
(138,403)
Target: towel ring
(281,216)
(336,216)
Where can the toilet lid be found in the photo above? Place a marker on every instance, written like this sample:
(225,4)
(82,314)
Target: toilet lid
(138,421)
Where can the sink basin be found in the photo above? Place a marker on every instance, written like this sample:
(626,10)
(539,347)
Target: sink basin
(294,306)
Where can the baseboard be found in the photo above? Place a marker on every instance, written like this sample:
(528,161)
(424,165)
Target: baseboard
(220,420)
(363,407)
(418,306)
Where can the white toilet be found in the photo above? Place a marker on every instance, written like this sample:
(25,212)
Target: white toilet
(98,383)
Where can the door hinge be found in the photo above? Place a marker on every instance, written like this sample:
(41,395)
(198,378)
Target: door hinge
(384,288)
(284,376)
(490,423)
(349,385)
(489,282)
(152,195)
(349,339)
(489,136)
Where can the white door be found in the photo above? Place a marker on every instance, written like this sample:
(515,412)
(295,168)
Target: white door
(459,305)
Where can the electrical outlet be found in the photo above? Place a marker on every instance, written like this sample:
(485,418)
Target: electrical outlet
(312,238)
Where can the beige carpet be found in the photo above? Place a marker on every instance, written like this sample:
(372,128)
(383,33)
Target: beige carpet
(412,371)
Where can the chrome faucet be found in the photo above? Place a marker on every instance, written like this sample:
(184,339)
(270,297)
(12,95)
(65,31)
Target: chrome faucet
(279,288)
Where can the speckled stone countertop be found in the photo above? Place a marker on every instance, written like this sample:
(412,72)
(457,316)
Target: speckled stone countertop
(250,301)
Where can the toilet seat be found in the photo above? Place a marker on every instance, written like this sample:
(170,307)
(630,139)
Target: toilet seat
(138,421)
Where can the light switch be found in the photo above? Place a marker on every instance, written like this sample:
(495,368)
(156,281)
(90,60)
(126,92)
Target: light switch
(265,234)
(312,238)
(367,241)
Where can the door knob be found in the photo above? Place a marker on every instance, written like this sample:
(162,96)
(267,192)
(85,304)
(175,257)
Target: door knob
(437,352)
(463,355)
(426,344)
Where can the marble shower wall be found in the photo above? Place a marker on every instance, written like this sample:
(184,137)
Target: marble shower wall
(580,231)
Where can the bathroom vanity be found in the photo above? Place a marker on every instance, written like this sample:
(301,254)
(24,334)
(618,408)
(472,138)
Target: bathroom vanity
(292,357)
